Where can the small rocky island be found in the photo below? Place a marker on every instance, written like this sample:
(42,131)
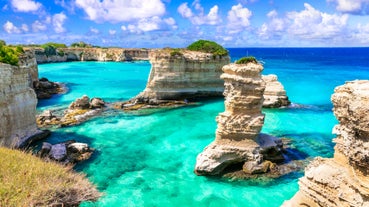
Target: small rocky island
(238,138)
(343,179)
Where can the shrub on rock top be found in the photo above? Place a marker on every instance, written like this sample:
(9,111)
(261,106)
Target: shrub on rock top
(245,60)
(209,47)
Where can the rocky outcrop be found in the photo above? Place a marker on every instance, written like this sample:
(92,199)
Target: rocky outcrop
(274,95)
(90,54)
(180,77)
(18,102)
(78,112)
(238,139)
(45,89)
(342,180)
(66,152)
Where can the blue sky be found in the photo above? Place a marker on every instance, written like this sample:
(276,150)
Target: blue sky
(177,23)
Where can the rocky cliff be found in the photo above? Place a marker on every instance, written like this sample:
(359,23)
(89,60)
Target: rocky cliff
(180,76)
(18,101)
(342,180)
(238,139)
(90,54)
(274,95)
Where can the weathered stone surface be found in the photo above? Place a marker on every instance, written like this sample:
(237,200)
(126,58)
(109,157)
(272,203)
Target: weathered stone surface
(274,95)
(66,152)
(78,112)
(91,54)
(45,89)
(238,137)
(342,180)
(18,102)
(182,77)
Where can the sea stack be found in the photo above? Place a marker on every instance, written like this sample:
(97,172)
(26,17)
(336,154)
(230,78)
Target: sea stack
(18,102)
(342,180)
(275,95)
(238,139)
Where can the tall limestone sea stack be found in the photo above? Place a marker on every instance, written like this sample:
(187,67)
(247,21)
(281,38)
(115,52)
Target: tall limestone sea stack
(18,101)
(238,139)
(274,95)
(344,179)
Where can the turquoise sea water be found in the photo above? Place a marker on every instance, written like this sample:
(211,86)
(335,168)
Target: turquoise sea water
(148,160)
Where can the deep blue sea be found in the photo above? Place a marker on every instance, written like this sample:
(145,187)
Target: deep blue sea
(148,160)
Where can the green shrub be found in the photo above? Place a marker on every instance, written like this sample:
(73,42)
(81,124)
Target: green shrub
(10,55)
(54,45)
(19,50)
(209,47)
(81,44)
(49,50)
(176,52)
(61,53)
(245,60)
(2,43)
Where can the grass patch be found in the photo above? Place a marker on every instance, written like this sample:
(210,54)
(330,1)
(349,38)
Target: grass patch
(245,60)
(209,47)
(26,180)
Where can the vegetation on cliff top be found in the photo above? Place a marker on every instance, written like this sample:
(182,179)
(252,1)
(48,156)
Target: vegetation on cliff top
(29,181)
(245,60)
(209,47)
(9,55)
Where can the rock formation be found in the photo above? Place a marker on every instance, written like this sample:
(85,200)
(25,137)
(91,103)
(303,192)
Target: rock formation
(18,102)
(342,180)
(274,95)
(179,77)
(91,54)
(78,111)
(66,152)
(238,139)
(45,89)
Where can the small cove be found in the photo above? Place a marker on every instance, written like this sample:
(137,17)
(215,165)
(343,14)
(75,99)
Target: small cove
(148,160)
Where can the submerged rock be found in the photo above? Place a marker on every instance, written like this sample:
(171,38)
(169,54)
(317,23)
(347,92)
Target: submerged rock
(342,180)
(238,138)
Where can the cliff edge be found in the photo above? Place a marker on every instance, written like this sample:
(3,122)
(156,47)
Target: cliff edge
(342,180)
(18,101)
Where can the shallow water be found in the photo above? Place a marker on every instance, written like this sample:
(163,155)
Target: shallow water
(149,160)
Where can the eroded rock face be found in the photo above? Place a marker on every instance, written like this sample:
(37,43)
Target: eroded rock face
(45,89)
(342,180)
(91,54)
(18,102)
(274,95)
(238,138)
(181,77)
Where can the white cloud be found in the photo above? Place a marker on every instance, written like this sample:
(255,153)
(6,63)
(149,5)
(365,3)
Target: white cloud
(120,11)
(24,28)
(94,30)
(311,23)
(352,6)
(112,32)
(10,28)
(275,28)
(37,26)
(25,5)
(58,21)
(212,18)
(151,24)
(238,19)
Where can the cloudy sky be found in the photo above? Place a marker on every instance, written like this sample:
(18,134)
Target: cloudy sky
(176,23)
